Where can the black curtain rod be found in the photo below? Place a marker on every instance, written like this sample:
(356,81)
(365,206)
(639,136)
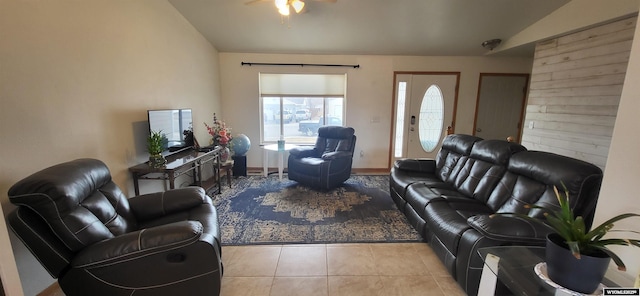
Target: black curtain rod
(301,65)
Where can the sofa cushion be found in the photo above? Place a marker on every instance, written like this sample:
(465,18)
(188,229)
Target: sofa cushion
(467,208)
(515,191)
(511,229)
(80,201)
(459,143)
(400,179)
(486,165)
(419,165)
(334,138)
(446,223)
(495,151)
(454,147)
(418,195)
(533,174)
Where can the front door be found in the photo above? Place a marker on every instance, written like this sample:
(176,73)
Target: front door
(425,109)
(501,99)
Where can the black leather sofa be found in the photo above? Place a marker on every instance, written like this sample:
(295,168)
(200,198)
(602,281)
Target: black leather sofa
(449,199)
(86,233)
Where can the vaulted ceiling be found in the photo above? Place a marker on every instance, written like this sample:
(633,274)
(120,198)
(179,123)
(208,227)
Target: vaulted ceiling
(365,27)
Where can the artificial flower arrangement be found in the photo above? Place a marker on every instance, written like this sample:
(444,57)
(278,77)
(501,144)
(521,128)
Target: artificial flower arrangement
(220,133)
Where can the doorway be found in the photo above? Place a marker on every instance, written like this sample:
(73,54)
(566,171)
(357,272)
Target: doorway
(424,112)
(501,101)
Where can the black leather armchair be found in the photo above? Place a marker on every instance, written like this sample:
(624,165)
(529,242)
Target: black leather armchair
(86,233)
(327,164)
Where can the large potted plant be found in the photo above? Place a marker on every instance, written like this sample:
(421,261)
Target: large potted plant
(577,258)
(155,146)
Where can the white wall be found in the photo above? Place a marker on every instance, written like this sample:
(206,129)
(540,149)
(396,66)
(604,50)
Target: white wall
(623,164)
(618,192)
(575,90)
(76,79)
(369,93)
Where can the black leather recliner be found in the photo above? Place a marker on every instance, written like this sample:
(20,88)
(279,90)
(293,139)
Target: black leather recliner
(86,233)
(327,164)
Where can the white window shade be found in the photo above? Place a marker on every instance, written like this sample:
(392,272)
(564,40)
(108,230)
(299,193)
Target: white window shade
(303,84)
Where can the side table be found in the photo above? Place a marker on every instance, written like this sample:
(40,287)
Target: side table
(514,267)
(281,152)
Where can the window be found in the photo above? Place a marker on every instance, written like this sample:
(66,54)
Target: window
(294,106)
(431,118)
(399,140)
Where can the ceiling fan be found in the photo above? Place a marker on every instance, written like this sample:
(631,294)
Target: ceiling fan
(284,6)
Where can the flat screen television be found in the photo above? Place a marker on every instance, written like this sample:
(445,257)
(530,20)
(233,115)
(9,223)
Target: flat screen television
(173,123)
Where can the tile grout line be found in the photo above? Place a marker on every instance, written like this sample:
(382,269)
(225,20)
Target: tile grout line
(326,260)
(275,270)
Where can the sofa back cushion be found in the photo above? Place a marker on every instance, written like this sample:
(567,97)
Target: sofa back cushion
(335,138)
(531,177)
(452,155)
(485,167)
(78,200)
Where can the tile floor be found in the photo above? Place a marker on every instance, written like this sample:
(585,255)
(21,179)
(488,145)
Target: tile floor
(402,269)
(335,269)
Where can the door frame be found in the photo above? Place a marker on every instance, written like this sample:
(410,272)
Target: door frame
(394,104)
(524,100)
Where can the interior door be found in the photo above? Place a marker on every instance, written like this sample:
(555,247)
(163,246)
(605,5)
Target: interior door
(501,100)
(425,109)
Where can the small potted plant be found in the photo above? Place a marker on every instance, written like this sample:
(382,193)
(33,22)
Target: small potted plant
(155,146)
(577,258)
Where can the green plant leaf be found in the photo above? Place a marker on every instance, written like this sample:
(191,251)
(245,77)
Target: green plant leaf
(614,257)
(608,225)
(634,242)
(574,232)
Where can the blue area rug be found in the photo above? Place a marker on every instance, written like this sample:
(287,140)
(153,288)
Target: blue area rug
(265,210)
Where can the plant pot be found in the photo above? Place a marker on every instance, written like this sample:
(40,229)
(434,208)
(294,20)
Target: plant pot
(582,275)
(157,161)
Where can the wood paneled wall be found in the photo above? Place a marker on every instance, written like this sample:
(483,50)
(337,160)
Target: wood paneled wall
(575,89)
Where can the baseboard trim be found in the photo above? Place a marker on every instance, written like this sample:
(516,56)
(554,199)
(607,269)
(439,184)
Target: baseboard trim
(370,171)
(355,171)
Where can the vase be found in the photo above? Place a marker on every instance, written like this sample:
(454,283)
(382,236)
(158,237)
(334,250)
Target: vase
(157,160)
(582,275)
(224,153)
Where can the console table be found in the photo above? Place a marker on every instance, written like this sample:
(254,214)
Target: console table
(179,164)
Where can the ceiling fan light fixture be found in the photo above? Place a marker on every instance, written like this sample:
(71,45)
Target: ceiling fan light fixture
(284,10)
(297,5)
(281,4)
(491,44)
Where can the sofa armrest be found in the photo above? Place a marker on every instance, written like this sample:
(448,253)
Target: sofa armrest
(154,205)
(422,165)
(509,229)
(336,155)
(139,244)
(304,151)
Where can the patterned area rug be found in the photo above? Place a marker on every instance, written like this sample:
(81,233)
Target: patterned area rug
(259,210)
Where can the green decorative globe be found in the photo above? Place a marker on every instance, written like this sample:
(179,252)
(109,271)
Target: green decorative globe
(240,144)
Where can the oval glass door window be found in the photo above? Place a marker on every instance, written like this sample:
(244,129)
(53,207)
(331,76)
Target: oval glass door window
(431,118)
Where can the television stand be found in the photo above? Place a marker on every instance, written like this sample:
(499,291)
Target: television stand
(178,164)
